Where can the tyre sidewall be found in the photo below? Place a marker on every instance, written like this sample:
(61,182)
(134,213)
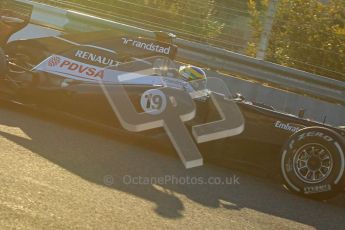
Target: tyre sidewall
(326,138)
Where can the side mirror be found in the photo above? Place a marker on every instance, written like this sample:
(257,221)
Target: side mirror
(301,113)
(12,21)
(239,96)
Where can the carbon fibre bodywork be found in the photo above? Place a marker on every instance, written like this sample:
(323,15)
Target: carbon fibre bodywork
(85,100)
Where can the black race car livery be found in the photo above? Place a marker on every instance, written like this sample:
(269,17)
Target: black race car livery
(120,81)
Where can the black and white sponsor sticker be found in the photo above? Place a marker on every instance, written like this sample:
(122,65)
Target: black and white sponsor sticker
(153,101)
(288,126)
(147,45)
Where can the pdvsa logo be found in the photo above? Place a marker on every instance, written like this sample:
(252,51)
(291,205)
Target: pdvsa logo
(82,69)
(66,67)
(54,61)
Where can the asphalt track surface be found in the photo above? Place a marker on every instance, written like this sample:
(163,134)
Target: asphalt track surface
(56,176)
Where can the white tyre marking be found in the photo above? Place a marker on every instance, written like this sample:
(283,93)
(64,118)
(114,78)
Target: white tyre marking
(341,174)
(284,173)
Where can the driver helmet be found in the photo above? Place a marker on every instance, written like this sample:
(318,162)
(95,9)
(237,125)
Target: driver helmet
(191,73)
(194,75)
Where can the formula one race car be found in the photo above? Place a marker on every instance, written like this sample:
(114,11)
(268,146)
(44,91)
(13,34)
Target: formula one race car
(126,82)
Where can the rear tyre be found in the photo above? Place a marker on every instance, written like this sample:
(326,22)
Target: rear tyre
(313,163)
(23,58)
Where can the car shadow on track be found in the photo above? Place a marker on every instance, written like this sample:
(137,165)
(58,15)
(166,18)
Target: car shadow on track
(96,159)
